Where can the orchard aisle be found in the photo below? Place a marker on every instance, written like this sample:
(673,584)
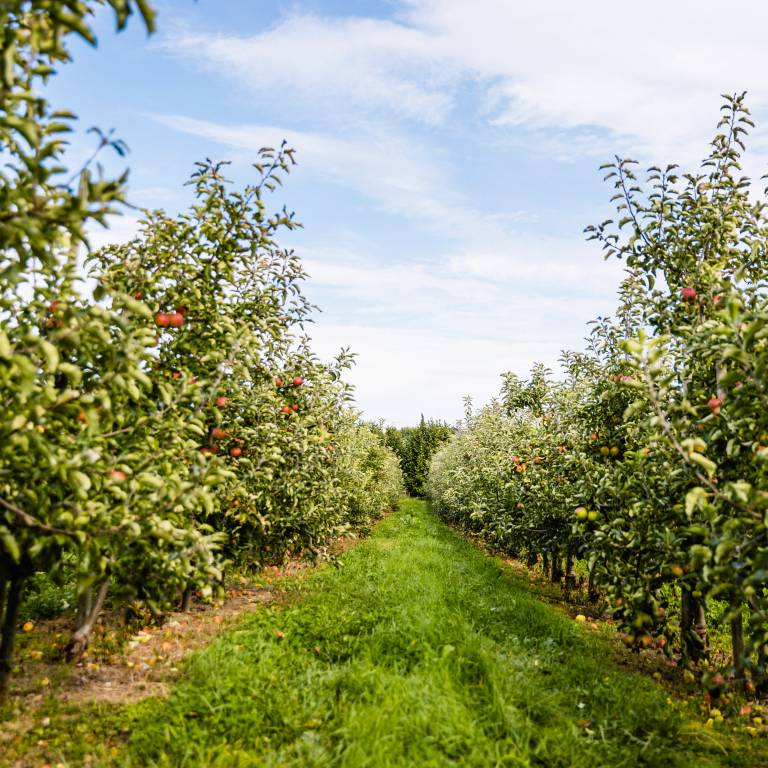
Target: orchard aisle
(418,652)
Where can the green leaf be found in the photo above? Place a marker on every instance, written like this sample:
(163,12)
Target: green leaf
(72,372)
(27,128)
(5,347)
(51,355)
(207,502)
(81,480)
(151,480)
(741,490)
(706,464)
(694,499)
(136,307)
(10,544)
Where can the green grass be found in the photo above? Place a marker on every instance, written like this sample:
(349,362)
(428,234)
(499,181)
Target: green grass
(419,651)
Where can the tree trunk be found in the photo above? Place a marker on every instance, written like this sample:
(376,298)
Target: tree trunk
(186,598)
(3,589)
(570,573)
(158,617)
(81,636)
(129,613)
(591,588)
(700,625)
(693,625)
(10,618)
(737,639)
(761,681)
(545,563)
(84,606)
(557,569)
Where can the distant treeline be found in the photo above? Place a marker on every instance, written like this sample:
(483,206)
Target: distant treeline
(415,447)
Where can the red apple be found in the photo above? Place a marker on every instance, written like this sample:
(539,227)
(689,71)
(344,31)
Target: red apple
(181,310)
(295,406)
(297,381)
(688,293)
(278,381)
(235,451)
(162,319)
(118,475)
(176,319)
(714,404)
(285,409)
(219,433)
(222,401)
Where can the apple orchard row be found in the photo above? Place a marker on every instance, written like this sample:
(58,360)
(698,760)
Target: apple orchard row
(647,461)
(143,451)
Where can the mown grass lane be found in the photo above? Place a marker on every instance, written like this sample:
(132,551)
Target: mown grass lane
(419,651)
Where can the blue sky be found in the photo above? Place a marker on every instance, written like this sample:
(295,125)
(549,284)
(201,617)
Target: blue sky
(448,156)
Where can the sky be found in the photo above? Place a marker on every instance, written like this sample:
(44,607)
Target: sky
(448,156)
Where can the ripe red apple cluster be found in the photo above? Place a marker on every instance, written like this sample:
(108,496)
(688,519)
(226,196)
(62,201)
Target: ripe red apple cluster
(218,433)
(297,381)
(173,319)
(53,309)
(688,293)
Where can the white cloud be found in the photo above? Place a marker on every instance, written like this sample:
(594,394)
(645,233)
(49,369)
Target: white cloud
(384,166)
(339,63)
(403,375)
(653,73)
(651,77)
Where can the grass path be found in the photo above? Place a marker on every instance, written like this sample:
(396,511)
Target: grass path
(420,651)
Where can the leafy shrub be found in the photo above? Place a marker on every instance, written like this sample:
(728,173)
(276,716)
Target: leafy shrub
(45,599)
(415,447)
